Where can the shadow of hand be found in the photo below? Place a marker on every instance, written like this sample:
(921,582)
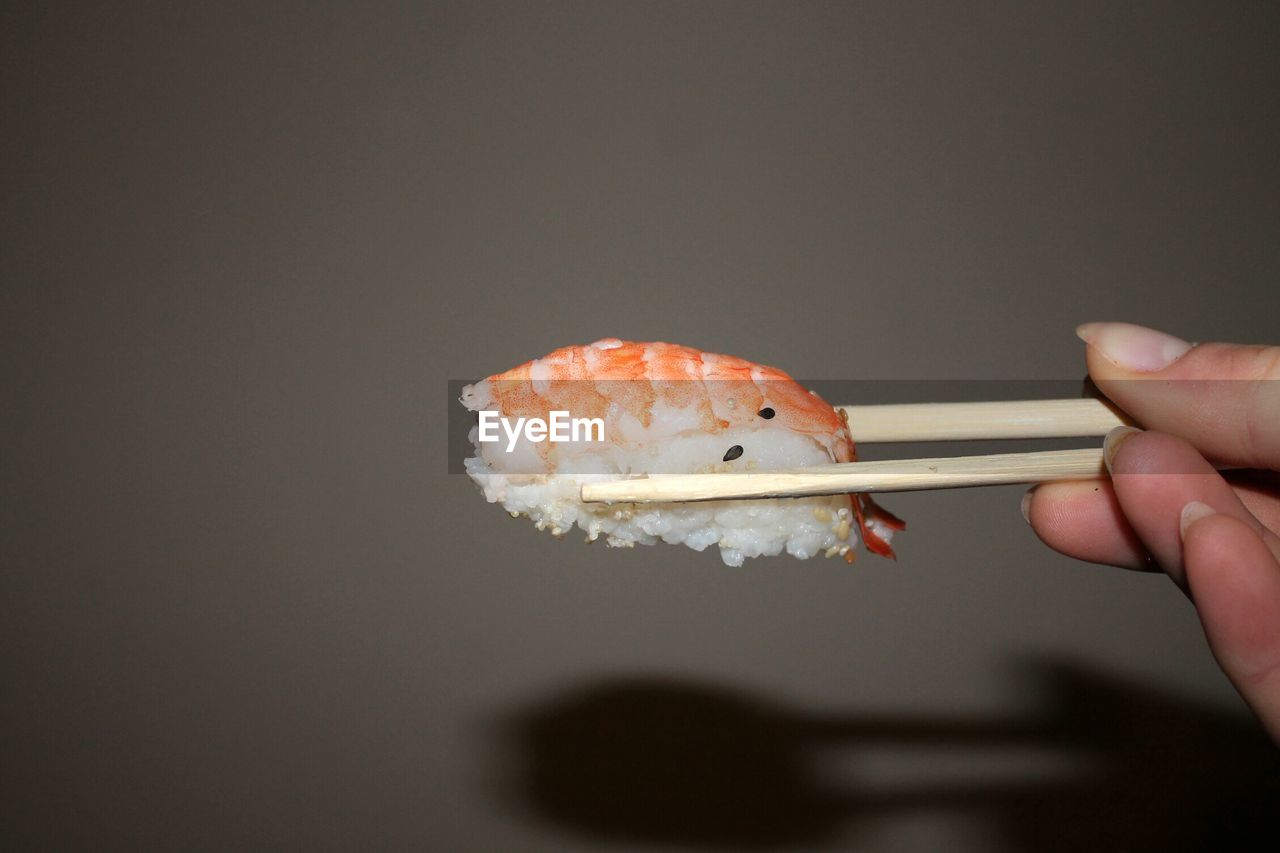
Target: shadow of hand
(674,762)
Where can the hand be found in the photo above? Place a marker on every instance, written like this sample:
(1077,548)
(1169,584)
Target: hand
(1167,508)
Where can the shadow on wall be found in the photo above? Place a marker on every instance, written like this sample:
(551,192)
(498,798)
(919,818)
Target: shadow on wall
(674,762)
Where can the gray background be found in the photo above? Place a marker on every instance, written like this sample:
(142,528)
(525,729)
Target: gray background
(244,605)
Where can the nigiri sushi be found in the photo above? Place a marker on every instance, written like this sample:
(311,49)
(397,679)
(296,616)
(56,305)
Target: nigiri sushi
(659,408)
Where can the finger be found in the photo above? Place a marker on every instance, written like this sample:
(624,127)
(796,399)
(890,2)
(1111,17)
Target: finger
(1155,476)
(1234,579)
(1223,398)
(1083,519)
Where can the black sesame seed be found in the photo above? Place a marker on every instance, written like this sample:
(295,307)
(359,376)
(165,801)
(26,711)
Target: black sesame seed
(766,413)
(733,453)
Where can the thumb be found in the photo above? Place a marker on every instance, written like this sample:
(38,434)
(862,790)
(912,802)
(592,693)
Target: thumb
(1234,580)
(1222,398)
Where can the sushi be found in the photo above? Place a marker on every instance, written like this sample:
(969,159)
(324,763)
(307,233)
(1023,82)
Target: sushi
(625,409)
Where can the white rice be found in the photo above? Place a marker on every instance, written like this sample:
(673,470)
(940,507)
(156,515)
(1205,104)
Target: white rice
(802,527)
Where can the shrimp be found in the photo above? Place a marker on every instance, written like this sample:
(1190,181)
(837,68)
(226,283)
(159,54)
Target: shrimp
(667,408)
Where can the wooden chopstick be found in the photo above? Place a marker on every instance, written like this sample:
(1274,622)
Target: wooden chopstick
(1076,418)
(895,475)
(1085,417)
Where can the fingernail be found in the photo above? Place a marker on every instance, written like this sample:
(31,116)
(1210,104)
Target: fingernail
(1026,506)
(1131,347)
(1191,513)
(1114,439)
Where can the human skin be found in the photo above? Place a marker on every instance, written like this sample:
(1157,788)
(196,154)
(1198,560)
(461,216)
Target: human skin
(1168,508)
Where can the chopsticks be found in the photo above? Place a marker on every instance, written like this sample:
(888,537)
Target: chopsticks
(910,422)
(1081,418)
(888,475)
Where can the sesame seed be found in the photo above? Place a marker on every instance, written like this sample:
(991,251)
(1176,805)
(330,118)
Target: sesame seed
(767,413)
(733,453)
